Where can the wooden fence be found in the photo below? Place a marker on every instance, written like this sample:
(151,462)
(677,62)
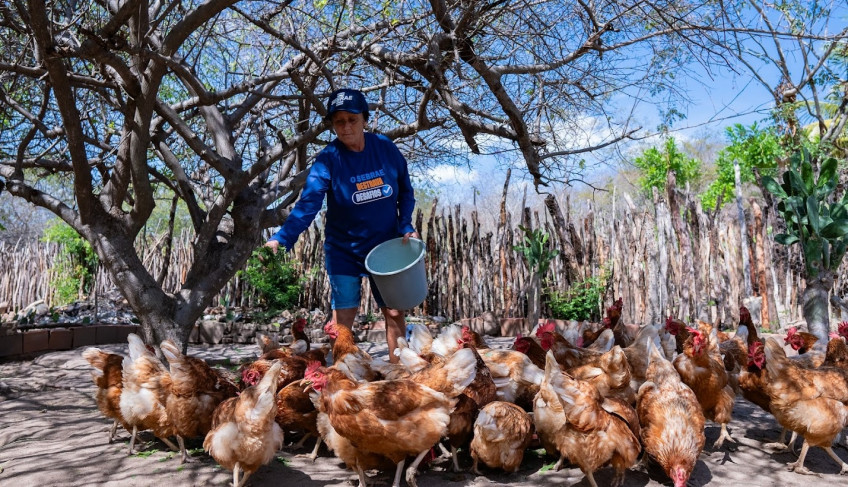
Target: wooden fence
(665,256)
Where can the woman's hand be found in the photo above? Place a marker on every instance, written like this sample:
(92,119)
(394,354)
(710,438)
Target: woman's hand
(407,235)
(273,245)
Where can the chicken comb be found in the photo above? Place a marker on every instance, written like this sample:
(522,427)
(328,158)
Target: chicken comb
(299,323)
(330,326)
(789,334)
(843,329)
(548,327)
(311,368)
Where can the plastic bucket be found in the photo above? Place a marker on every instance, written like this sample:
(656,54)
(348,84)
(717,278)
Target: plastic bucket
(398,270)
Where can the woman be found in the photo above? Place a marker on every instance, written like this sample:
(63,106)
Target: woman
(369,201)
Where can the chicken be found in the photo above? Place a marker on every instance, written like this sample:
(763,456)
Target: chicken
(604,343)
(266,343)
(480,392)
(296,412)
(302,348)
(548,413)
(448,341)
(502,432)
(293,367)
(671,419)
(679,330)
(566,354)
(516,378)
(474,338)
(244,435)
(419,338)
(837,353)
(800,341)
(300,340)
(701,368)
(531,348)
(107,378)
(637,355)
(196,390)
(811,402)
(393,418)
(611,376)
(347,356)
(597,430)
(144,393)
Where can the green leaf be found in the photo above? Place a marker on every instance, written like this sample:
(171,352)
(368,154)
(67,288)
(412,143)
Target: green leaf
(827,173)
(798,186)
(813,256)
(785,239)
(836,229)
(807,177)
(813,213)
(839,211)
(774,188)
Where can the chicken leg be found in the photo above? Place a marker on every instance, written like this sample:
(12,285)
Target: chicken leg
(132,439)
(474,468)
(838,460)
(798,466)
(299,444)
(455,458)
(185,456)
(399,470)
(312,456)
(724,435)
(113,431)
(591,479)
(413,469)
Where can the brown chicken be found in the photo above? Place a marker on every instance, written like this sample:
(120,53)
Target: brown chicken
(196,390)
(811,402)
(300,340)
(597,430)
(837,353)
(244,435)
(515,376)
(293,367)
(474,338)
(144,393)
(347,356)
(671,419)
(393,418)
(480,392)
(107,378)
(296,412)
(531,348)
(679,330)
(611,376)
(502,432)
(800,341)
(701,368)
(565,353)
(637,355)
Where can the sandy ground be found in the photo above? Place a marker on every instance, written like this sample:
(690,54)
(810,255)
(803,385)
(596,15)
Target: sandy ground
(51,433)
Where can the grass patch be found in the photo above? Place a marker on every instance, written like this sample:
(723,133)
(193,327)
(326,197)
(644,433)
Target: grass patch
(146,453)
(283,460)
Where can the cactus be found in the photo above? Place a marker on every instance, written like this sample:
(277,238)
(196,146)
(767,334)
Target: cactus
(817,220)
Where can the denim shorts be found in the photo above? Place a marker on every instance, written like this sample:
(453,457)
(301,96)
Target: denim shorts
(344,291)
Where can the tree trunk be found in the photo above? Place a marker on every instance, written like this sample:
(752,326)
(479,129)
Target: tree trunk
(817,308)
(746,267)
(534,287)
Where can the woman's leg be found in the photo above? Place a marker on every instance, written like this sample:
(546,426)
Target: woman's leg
(395,327)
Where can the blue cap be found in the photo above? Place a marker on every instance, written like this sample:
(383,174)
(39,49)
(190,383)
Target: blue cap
(347,100)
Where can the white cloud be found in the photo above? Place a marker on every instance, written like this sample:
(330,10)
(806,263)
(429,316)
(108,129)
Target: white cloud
(446,174)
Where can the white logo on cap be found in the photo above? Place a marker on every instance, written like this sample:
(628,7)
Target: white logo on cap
(341,98)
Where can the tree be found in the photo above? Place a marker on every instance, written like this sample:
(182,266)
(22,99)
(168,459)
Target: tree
(219,104)
(655,166)
(538,256)
(817,220)
(755,149)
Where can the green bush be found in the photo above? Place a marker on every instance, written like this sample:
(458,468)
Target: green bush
(75,264)
(582,301)
(274,278)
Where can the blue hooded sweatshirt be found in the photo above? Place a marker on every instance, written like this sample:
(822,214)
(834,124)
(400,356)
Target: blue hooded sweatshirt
(369,200)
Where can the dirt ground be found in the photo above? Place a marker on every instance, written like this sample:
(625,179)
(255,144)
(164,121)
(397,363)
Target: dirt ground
(51,433)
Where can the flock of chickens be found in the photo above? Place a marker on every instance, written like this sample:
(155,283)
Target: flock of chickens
(591,397)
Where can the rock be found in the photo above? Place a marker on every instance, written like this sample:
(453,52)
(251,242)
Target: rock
(211,332)
(754,305)
(4,307)
(490,324)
